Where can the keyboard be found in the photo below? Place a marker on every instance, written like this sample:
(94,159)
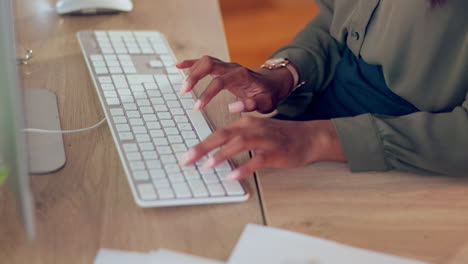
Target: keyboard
(138,86)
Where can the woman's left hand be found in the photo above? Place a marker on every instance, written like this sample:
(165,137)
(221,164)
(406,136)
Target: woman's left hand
(276,144)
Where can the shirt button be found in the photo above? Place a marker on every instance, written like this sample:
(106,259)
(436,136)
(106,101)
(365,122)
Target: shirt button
(355,36)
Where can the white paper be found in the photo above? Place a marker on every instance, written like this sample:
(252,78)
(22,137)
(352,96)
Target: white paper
(164,256)
(259,244)
(110,256)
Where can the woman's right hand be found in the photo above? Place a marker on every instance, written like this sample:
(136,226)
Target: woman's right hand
(256,90)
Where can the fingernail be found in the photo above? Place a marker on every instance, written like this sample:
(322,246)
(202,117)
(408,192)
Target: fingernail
(197,106)
(236,107)
(209,164)
(183,91)
(187,157)
(233,175)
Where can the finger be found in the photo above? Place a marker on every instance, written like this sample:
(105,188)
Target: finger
(215,140)
(257,162)
(232,148)
(230,80)
(185,64)
(202,68)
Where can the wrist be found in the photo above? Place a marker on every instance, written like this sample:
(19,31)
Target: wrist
(325,142)
(280,80)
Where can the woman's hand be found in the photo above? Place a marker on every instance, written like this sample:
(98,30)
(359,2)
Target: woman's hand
(257,91)
(276,144)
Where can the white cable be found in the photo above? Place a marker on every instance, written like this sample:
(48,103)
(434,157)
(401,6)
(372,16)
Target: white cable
(44,131)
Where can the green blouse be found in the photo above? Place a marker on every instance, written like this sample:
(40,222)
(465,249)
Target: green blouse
(423,52)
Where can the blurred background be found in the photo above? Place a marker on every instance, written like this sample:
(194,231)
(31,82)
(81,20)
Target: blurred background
(256,28)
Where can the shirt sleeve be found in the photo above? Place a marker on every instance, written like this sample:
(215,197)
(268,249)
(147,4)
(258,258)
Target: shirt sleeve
(315,53)
(420,142)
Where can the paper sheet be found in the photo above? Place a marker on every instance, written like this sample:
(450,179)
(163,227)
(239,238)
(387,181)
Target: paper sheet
(162,256)
(165,256)
(259,244)
(110,256)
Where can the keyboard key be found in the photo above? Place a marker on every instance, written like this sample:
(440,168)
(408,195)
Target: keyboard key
(160,141)
(127,99)
(167,123)
(125,136)
(171,131)
(176,178)
(179,148)
(131,147)
(215,189)
(142,138)
(157,173)
(136,122)
(130,106)
(198,188)
(112,101)
(120,119)
(123,127)
(210,178)
(146,146)
(153,125)
(117,112)
(169,159)
(175,139)
(191,174)
(177,111)
(153,93)
(150,85)
(233,188)
(181,190)
(153,164)
(133,114)
(141,176)
(189,135)
(134,156)
(150,117)
(137,165)
(104,79)
(164,115)
(156,133)
(166,193)
(147,191)
(164,150)
(150,155)
(146,110)
(160,108)
(143,102)
(101,70)
(139,130)
(161,183)
(172,168)
(155,64)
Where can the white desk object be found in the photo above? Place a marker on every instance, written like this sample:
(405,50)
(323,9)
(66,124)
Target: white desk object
(259,244)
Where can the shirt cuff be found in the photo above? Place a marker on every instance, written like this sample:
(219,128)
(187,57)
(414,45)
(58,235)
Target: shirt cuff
(361,143)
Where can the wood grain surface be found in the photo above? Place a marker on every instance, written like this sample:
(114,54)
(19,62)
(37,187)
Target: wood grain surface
(415,216)
(88,205)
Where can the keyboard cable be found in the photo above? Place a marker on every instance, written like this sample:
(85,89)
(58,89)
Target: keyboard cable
(45,131)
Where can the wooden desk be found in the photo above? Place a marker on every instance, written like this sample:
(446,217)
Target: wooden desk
(88,205)
(420,217)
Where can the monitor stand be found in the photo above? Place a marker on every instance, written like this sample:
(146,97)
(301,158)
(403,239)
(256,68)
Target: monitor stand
(46,152)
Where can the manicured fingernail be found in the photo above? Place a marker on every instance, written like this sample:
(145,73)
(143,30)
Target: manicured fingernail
(184,88)
(209,164)
(187,157)
(236,107)
(197,106)
(233,175)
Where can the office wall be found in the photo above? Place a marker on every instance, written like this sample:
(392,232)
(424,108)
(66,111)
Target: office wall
(256,28)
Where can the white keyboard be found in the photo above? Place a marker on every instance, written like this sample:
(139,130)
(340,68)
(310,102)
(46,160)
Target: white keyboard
(138,86)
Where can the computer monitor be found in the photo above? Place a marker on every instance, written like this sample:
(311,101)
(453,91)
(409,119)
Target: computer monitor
(12,141)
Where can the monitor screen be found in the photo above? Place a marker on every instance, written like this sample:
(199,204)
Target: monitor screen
(12,141)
